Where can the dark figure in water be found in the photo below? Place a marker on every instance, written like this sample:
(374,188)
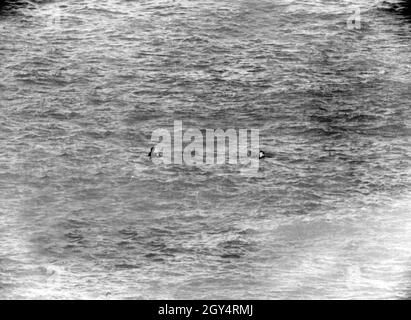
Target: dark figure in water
(153,152)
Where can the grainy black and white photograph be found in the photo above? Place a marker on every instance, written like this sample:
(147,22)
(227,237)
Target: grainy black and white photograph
(205,150)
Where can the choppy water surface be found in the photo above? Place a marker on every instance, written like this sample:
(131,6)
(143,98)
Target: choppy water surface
(84,214)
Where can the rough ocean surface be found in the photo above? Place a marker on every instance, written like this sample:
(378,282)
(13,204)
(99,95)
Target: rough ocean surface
(85,214)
